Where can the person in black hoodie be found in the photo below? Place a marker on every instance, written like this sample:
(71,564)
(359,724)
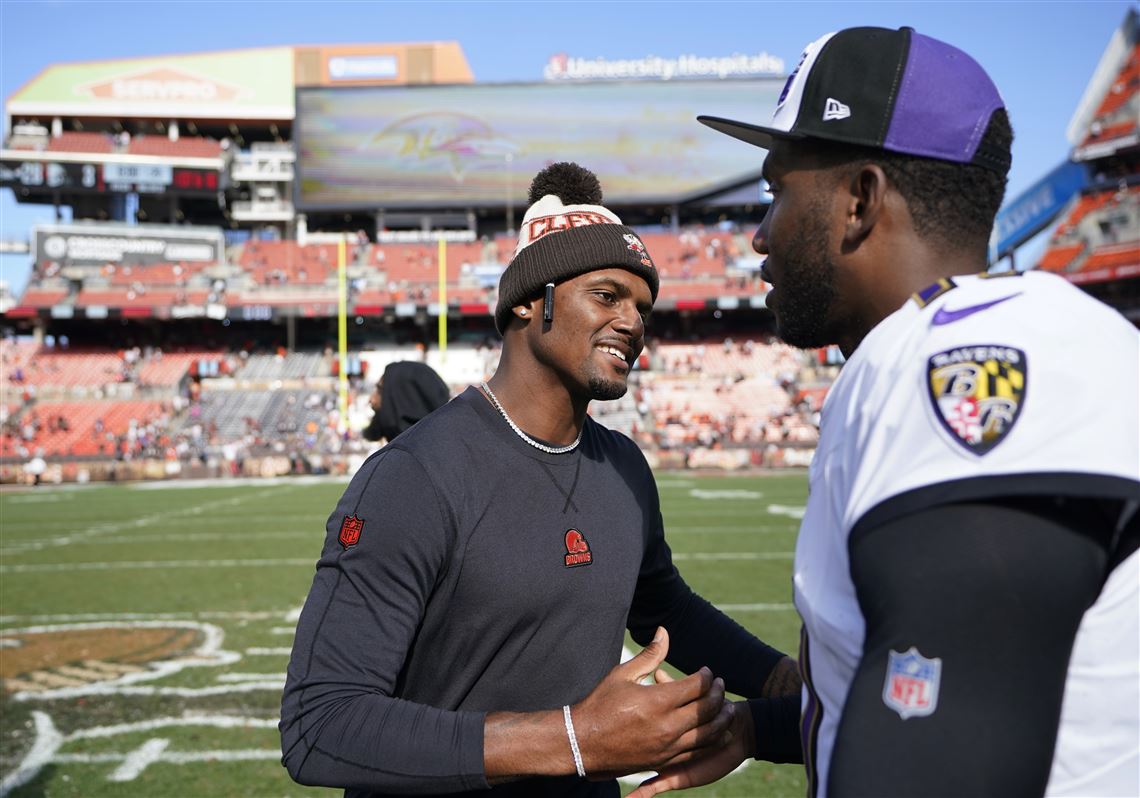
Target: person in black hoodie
(406,392)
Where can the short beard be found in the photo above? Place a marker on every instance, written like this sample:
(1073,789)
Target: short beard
(807,290)
(606,390)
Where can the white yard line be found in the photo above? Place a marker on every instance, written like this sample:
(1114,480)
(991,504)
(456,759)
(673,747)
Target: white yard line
(146,565)
(139,759)
(316,535)
(703,556)
(213,721)
(48,741)
(150,616)
(145,690)
(98,530)
(268,652)
(762,607)
(251,677)
(759,528)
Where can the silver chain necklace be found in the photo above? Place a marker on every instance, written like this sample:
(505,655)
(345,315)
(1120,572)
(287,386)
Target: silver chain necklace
(542,447)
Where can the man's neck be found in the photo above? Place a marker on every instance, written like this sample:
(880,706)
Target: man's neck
(538,403)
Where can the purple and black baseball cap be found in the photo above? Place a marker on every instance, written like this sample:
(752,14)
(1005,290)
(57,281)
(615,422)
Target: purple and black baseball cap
(895,90)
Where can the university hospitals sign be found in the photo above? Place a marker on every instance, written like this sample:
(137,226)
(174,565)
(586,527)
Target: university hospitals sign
(738,65)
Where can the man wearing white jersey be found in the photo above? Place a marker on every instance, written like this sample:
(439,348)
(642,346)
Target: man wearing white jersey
(967,566)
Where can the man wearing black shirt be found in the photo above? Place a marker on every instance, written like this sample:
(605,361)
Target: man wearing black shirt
(479,573)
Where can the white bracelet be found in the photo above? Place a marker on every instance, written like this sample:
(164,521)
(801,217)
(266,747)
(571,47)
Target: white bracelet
(573,742)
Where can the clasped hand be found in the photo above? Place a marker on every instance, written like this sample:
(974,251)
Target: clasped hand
(624,726)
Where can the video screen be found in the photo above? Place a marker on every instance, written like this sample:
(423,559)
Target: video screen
(480,145)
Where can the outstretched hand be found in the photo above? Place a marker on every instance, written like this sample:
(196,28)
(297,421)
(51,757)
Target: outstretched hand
(624,726)
(706,766)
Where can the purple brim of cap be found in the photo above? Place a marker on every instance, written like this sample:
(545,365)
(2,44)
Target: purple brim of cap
(752,134)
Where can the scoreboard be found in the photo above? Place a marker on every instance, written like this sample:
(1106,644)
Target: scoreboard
(36,176)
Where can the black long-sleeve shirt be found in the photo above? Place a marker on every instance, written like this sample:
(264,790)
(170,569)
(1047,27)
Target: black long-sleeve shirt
(465,572)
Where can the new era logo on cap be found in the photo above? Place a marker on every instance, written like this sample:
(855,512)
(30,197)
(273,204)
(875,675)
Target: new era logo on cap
(913,95)
(835,110)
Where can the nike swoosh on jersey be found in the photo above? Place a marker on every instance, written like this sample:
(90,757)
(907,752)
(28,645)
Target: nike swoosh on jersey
(944,316)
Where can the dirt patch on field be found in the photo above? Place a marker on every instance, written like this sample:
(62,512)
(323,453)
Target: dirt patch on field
(27,652)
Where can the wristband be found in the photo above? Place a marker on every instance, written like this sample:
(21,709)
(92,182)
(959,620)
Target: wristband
(573,742)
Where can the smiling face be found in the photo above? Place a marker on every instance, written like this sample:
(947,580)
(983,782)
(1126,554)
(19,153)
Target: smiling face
(796,236)
(597,333)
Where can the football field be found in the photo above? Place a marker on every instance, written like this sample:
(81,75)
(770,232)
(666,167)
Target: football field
(145,630)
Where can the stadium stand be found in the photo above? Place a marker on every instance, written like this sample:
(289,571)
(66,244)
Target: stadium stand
(87,428)
(1100,233)
(184,147)
(75,141)
(1112,256)
(1118,113)
(283,366)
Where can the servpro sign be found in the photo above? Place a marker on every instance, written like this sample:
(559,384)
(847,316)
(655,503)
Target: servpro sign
(163,85)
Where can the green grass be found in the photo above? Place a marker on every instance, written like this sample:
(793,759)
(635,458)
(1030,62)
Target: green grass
(239,557)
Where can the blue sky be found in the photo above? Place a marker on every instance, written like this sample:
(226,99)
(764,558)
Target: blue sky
(1041,54)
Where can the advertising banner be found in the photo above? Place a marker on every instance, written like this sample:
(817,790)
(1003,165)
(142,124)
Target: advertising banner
(1036,207)
(239,84)
(96,244)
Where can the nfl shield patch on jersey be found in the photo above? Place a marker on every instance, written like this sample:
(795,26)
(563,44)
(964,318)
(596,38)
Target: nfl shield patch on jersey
(978,392)
(350,529)
(911,688)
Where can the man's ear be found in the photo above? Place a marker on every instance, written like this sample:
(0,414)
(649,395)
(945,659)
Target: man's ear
(865,203)
(525,311)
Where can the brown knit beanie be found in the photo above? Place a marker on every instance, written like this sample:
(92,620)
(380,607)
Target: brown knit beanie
(566,232)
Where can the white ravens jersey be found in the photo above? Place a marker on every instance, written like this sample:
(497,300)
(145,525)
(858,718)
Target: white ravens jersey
(981,386)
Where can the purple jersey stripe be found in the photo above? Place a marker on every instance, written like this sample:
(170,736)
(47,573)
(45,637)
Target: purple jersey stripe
(811,718)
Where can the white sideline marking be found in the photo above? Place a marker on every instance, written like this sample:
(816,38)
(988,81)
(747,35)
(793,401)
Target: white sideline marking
(137,760)
(316,534)
(48,740)
(144,690)
(283,630)
(153,616)
(173,757)
(240,482)
(277,678)
(36,498)
(135,565)
(268,652)
(792,511)
(714,495)
(762,607)
(735,555)
(188,719)
(759,528)
(146,520)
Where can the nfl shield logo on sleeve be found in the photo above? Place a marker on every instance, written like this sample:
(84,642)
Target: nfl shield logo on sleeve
(911,688)
(350,529)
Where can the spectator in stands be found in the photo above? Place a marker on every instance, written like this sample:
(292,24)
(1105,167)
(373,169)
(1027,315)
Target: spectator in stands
(405,393)
(457,599)
(967,575)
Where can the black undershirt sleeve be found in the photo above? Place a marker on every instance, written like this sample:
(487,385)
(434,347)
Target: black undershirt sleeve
(995,590)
